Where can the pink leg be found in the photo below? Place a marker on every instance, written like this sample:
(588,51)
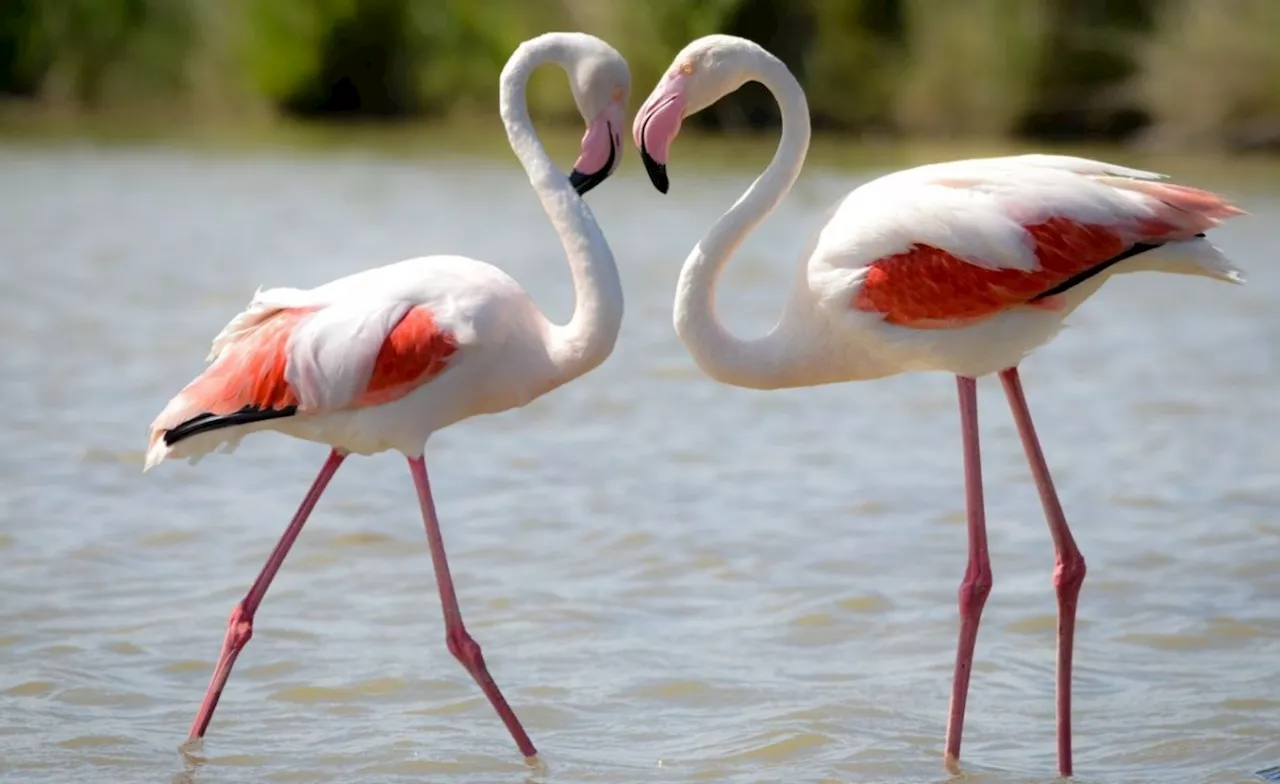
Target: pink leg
(240,625)
(1069,568)
(976,585)
(464,649)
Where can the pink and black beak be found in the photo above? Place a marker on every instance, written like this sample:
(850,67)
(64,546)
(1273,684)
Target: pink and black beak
(656,126)
(601,149)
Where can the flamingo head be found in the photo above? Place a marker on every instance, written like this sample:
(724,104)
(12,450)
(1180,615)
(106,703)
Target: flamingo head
(601,84)
(702,73)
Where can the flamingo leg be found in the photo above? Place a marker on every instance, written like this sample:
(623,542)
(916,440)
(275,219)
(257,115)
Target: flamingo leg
(461,645)
(976,585)
(240,624)
(1069,568)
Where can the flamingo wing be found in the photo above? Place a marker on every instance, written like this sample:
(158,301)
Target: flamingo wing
(307,359)
(950,244)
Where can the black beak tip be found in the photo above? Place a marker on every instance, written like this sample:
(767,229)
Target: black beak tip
(657,172)
(584,182)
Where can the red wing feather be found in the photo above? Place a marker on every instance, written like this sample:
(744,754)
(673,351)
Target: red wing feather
(248,378)
(928,287)
(415,351)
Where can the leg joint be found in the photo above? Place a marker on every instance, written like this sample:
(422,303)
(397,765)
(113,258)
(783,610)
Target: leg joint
(975,588)
(239,627)
(464,649)
(1068,574)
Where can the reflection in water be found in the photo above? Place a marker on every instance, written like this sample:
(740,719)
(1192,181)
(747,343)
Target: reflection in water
(675,580)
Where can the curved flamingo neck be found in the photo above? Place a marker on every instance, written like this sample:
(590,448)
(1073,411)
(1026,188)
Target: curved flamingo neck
(771,361)
(589,336)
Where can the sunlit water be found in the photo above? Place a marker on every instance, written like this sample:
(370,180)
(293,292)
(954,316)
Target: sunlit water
(673,580)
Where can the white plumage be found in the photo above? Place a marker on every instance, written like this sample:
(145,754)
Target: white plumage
(502,357)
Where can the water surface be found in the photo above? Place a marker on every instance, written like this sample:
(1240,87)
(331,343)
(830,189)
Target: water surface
(673,580)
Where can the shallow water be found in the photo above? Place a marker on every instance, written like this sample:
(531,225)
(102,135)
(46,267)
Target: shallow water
(673,580)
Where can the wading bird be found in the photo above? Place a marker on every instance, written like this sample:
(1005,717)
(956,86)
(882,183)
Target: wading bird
(382,359)
(964,267)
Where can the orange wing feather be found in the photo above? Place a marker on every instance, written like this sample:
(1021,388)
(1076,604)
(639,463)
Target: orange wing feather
(928,287)
(416,351)
(249,375)
(250,372)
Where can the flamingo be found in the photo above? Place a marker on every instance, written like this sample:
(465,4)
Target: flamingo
(963,267)
(381,359)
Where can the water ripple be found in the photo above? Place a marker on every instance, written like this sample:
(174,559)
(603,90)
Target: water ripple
(673,580)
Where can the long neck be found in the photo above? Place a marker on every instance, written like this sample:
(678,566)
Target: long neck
(589,337)
(766,362)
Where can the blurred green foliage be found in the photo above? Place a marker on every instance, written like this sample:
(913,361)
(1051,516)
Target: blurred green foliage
(1184,71)
(971,68)
(1212,73)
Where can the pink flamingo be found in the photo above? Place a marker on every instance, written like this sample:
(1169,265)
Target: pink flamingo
(964,267)
(384,358)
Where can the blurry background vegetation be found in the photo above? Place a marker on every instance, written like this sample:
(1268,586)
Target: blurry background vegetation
(1173,72)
